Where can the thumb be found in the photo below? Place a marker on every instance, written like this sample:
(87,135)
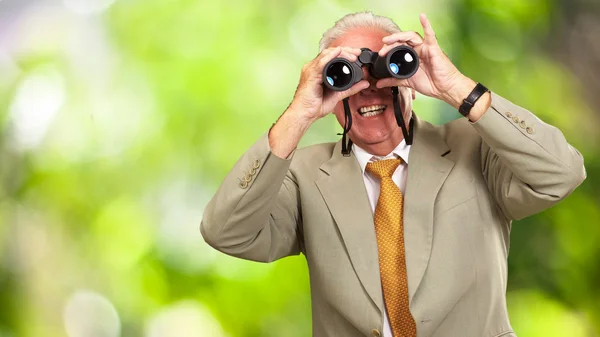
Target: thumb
(358,87)
(392,82)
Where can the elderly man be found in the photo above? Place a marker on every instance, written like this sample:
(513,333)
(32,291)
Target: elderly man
(401,240)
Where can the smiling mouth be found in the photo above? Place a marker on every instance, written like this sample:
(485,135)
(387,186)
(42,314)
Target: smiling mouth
(372,110)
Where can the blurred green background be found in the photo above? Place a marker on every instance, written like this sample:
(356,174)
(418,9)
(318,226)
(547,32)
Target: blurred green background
(119,119)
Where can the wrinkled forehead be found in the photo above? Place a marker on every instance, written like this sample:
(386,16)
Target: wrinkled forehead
(361,38)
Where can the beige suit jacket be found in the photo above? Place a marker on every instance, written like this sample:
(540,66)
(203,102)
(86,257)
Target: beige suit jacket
(466,182)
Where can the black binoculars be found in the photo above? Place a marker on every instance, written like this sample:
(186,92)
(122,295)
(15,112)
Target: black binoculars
(401,62)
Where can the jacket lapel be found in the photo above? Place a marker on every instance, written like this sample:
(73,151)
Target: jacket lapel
(343,190)
(427,171)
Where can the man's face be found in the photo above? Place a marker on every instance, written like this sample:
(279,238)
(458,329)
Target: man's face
(373,121)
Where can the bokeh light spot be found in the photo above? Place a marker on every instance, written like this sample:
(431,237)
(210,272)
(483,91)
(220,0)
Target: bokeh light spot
(89,314)
(184,319)
(39,97)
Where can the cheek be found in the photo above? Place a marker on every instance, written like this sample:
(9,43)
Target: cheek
(338,111)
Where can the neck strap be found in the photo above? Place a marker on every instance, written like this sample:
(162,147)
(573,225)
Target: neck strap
(408,136)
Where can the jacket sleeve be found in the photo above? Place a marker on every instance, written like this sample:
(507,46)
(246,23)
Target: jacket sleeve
(255,213)
(527,164)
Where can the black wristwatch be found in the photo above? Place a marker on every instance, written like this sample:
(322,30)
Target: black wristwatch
(468,102)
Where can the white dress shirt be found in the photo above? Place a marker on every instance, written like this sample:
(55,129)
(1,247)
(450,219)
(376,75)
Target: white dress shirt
(372,187)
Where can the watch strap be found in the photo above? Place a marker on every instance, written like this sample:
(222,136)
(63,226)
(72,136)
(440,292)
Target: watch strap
(469,102)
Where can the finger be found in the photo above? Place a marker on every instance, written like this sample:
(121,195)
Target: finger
(356,88)
(409,37)
(347,53)
(386,48)
(391,82)
(325,57)
(430,37)
(354,51)
(329,51)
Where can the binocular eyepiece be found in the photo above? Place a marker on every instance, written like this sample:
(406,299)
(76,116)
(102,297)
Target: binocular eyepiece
(401,62)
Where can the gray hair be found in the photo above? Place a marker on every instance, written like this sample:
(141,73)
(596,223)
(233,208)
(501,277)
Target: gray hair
(357,20)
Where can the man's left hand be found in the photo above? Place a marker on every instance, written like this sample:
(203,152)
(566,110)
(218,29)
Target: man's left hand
(437,76)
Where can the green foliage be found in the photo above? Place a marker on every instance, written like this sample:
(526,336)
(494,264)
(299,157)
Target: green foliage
(118,126)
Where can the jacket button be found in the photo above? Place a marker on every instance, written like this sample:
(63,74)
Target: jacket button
(509,114)
(243,184)
(529,130)
(376,333)
(256,164)
(516,119)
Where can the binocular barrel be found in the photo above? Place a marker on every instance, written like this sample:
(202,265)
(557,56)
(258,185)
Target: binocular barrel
(401,62)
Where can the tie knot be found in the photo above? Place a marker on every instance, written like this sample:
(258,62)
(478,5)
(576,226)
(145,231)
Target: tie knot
(383,168)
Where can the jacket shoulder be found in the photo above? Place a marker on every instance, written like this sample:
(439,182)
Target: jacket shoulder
(314,154)
(459,133)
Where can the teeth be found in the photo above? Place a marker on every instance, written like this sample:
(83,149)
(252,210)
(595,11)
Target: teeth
(372,113)
(372,110)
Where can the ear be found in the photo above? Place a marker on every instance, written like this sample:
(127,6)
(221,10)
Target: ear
(414,93)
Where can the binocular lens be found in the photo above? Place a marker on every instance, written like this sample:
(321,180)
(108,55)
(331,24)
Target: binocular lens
(338,74)
(402,63)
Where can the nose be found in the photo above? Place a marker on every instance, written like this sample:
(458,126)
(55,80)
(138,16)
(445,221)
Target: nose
(372,89)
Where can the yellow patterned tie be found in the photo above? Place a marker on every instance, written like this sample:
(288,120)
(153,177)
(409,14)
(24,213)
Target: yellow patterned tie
(390,242)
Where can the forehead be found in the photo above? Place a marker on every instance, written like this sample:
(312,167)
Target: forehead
(361,38)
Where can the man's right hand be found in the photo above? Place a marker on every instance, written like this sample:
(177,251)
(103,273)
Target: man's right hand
(311,101)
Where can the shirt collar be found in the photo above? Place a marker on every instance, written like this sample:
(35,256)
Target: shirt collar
(363,157)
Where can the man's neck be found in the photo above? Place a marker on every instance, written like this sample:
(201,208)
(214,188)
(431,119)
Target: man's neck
(381,149)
